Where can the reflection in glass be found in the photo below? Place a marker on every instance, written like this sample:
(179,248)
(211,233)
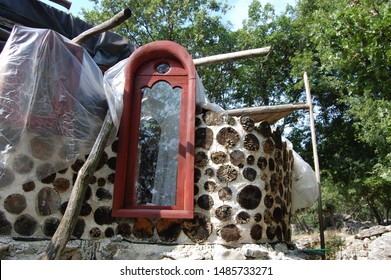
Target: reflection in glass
(163,68)
(158,145)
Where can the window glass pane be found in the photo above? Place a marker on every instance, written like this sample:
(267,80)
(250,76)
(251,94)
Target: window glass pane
(158,145)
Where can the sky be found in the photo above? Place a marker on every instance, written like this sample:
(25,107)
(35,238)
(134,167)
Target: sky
(236,15)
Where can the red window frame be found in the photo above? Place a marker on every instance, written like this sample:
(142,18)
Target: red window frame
(140,72)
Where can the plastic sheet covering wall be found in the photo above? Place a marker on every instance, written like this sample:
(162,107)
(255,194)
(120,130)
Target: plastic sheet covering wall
(52,104)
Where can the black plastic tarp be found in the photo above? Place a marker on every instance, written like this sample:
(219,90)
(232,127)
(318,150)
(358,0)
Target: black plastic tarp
(106,49)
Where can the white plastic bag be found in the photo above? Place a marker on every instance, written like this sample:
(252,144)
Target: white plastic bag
(305,190)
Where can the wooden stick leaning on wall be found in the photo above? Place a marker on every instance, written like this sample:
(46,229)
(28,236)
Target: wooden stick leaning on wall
(68,222)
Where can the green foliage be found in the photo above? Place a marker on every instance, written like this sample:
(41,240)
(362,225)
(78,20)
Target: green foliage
(195,24)
(268,81)
(334,245)
(349,46)
(162,20)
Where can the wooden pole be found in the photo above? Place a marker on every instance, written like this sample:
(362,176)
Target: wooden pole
(268,109)
(214,59)
(69,220)
(111,23)
(65,3)
(316,161)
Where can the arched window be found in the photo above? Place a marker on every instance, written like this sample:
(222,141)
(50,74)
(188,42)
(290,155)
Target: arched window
(155,163)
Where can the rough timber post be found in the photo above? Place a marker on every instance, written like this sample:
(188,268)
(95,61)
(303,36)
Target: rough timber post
(68,222)
(316,160)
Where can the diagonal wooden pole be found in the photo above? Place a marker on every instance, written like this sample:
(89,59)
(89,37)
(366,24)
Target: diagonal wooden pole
(116,20)
(316,161)
(69,220)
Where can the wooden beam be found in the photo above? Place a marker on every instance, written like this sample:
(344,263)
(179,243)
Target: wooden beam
(214,59)
(271,114)
(316,160)
(268,109)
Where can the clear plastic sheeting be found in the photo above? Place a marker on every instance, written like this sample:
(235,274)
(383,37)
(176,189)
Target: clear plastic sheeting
(52,104)
(114,83)
(202,100)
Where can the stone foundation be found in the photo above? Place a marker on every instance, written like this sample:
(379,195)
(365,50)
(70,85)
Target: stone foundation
(118,249)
